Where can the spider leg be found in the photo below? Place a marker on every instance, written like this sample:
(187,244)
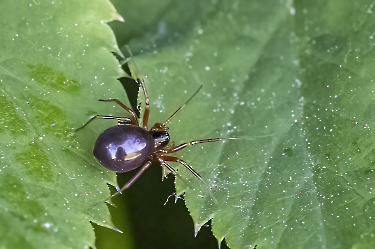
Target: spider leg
(120,120)
(171,169)
(163,126)
(163,163)
(147,104)
(135,73)
(174,149)
(133,118)
(131,181)
(178,160)
(163,158)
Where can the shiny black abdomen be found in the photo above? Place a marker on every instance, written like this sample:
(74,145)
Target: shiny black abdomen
(124,147)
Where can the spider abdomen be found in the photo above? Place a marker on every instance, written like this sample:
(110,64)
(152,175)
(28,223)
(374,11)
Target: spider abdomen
(124,147)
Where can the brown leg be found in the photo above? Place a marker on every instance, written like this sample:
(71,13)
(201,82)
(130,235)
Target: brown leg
(171,169)
(133,118)
(178,160)
(146,114)
(209,140)
(185,104)
(120,120)
(163,158)
(147,104)
(131,181)
(139,79)
(163,163)
(184,145)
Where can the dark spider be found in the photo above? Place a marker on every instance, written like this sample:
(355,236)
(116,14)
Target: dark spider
(128,145)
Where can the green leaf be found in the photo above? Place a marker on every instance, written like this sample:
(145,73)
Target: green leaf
(294,81)
(55,64)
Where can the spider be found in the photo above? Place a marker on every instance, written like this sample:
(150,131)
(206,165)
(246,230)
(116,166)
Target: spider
(128,145)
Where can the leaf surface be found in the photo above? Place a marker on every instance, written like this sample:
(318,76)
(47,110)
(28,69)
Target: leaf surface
(55,64)
(294,81)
